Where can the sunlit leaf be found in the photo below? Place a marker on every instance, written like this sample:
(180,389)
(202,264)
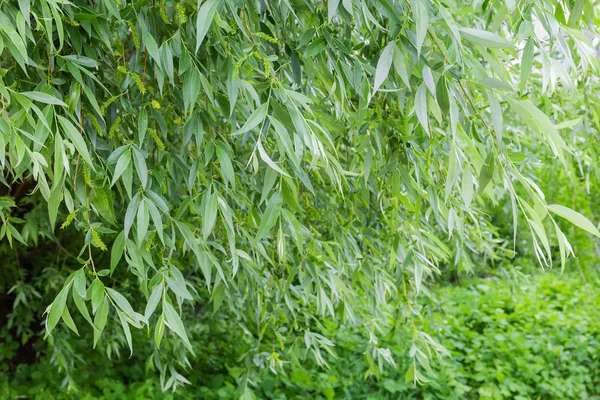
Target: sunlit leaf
(485,38)
(575,218)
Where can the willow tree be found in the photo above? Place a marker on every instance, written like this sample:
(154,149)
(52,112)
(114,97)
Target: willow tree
(288,162)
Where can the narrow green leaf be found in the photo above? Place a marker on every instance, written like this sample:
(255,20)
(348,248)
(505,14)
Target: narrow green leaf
(191,88)
(544,124)
(175,324)
(270,215)
(383,65)
(142,124)
(130,214)
(156,219)
(559,14)
(116,251)
(451,175)
(80,304)
(265,157)
(82,60)
(159,330)
(497,120)
(568,124)
(225,163)
(486,39)
(152,48)
(332,6)
(400,65)
(428,80)
(25,7)
(79,282)
(441,94)
(166,58)
(188,235)
(44,98)
(497,84)
(136,259)
(57,308)
(140,166)
(254,119)
(419,8)
(467,186)
(155,297)
(564,247)
(368,162)
(209,214)
(159,201)
(143,221)
(126,331)
(285,140)
(517,156)
(100,320)
(15,45)
(66,316)
(575,218)
(54,202)
(77,140)
(421,107)
(409,376)
(179,288)
(97,294)
(122,164)
(487,172)
(316,47)
(526,64)
(575,12)
(122,303)
(204,19)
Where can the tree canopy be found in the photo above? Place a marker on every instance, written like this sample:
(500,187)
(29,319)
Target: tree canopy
(290,164)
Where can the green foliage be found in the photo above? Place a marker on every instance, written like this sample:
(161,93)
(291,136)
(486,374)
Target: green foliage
(524,339)
(519,341)
(299,168)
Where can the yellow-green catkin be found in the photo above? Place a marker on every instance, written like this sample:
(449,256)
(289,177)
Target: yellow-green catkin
(95,123)
(107,103)
(268,38)
(87,177)
(249,69)
(121,72)
(138,82)
(134,34)
(69,219)
(69,21)
(181,14)
(150,241)
(267,67)
(237,66)
(97,241)
(114,128)
(163,12)
(157,139)
(102,196)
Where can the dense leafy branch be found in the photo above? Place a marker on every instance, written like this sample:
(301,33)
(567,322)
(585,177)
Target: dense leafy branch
(289,162)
